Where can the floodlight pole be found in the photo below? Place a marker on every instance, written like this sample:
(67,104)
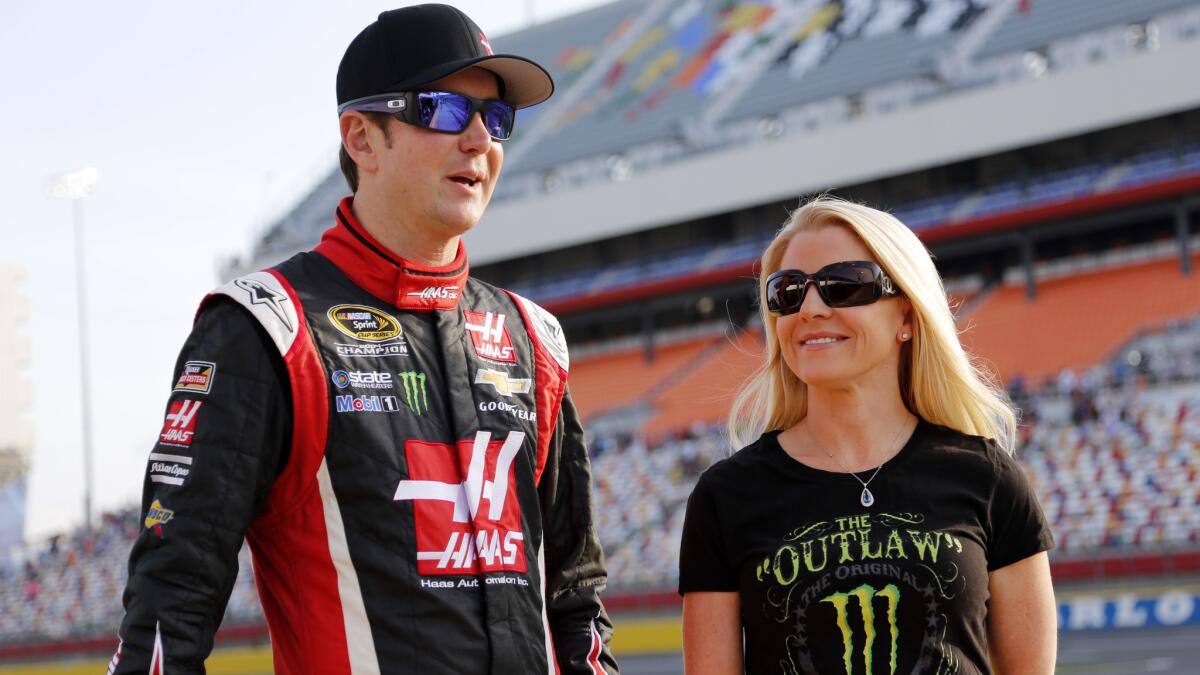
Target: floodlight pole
(75,185)
(84,369)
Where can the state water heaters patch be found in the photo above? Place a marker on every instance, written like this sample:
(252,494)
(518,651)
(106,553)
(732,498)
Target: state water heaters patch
(346,379)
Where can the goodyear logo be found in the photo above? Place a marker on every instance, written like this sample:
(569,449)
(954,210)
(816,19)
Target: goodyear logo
(364,323)
(157,516)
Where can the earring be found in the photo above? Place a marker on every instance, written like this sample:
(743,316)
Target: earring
(905,335)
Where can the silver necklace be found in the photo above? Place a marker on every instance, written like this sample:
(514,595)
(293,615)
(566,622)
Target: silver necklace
(866,499)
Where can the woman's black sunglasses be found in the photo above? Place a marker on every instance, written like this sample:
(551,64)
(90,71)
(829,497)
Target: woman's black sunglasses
(841,284)
(443,111)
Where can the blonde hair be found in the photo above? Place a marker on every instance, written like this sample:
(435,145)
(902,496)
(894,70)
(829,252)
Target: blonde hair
(939,381)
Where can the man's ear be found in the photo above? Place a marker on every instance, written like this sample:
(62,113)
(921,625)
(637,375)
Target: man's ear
(356,139)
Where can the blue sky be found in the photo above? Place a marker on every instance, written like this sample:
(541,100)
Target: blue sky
(206,121)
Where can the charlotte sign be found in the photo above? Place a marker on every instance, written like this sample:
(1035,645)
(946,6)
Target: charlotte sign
(1172,607)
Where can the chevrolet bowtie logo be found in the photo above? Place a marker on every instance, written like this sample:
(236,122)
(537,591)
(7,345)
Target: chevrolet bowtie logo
(505,385)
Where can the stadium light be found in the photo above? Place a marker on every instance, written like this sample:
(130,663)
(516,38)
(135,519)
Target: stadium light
(75,185)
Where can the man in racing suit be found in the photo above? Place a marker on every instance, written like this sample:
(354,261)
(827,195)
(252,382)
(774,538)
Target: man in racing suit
(394,439)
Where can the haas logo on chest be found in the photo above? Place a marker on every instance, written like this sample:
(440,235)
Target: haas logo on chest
(489,336)
(465,526)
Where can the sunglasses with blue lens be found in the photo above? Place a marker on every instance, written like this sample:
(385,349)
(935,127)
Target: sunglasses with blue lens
(446,112)
(841,284)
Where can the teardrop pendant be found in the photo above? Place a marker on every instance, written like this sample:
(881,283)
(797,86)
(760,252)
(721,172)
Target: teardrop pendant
(867,498)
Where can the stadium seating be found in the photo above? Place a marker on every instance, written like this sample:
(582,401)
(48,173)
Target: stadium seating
(1079,320)
(617,380)
(954,209)
(1124,478)
(703,393)
(70,585)
(779,59)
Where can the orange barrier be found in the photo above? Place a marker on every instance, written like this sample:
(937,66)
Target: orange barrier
(614,380)
(1078,321)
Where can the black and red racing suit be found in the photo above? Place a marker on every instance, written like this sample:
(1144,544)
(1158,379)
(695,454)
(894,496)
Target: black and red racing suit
(398,447)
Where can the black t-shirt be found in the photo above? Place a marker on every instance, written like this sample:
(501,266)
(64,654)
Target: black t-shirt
(830,587)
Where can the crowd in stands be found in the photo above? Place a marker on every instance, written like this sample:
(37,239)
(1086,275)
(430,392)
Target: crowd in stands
(1114,453)
(70,585)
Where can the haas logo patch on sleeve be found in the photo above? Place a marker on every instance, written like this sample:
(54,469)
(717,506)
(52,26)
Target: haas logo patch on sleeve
(180,425)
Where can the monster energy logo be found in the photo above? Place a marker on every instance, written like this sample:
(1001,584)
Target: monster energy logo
(866,595)
(414,391)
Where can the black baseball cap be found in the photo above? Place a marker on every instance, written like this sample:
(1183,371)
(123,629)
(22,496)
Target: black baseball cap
(412,46)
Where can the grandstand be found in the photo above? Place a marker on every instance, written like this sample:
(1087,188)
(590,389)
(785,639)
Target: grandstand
(1113,450)
(1044,150)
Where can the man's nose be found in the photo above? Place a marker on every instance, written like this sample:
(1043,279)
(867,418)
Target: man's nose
(475,138)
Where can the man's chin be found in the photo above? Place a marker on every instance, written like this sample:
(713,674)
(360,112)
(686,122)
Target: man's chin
(458,224)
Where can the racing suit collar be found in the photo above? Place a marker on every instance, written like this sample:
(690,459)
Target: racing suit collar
(404,284)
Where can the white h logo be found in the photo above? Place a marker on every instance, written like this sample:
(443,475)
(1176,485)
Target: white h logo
(492,328)
(466,495)
(183,418)
(494,545)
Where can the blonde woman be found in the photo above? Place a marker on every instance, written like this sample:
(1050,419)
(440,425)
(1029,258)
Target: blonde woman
(879,524)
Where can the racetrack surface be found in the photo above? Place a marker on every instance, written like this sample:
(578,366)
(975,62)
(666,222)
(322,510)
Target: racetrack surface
(1114,652)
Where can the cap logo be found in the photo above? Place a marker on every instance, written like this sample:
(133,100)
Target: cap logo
(486,45)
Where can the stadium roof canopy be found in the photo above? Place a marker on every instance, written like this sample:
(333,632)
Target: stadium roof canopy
(646,85)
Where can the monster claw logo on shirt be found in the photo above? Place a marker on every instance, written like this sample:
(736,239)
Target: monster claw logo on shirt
(865,596)
(364,323)
(414,391)
(157,516)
